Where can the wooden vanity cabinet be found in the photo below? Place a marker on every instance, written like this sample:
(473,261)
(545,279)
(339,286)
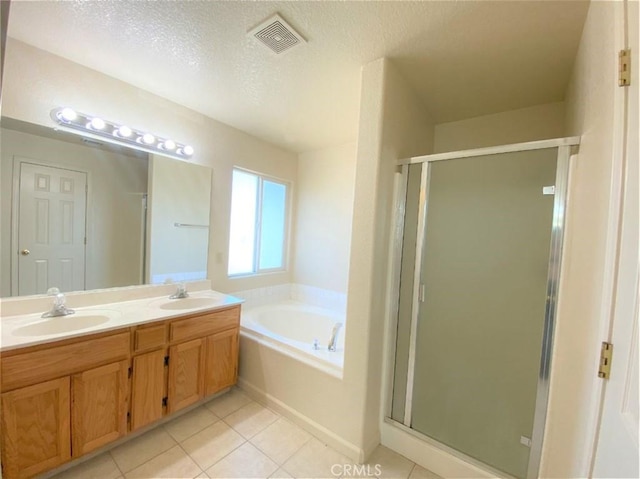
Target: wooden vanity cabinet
(148,384)
(186,374)
(100,399)
(149,375)
(221,361)
(36,429)
(181,361)
(62,400)
(203,356)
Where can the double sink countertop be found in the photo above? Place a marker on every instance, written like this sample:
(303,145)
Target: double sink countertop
(22,330)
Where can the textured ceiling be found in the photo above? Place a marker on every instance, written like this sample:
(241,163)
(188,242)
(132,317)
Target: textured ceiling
(465,59)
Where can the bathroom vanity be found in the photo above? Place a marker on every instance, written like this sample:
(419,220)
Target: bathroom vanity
(64,397)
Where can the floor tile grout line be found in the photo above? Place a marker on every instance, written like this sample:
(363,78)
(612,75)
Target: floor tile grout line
(235,410)
(288,457)
(285,470)
(202,471)
(114,461)
(175,443)
(249,438)
(164,426)
(209,467)
(226,415)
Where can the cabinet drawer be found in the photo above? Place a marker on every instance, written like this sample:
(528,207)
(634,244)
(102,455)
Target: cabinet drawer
(149,337)
(56,361)
(204,324)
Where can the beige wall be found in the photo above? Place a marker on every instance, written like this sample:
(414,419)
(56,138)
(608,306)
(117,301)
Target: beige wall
(592,98)
(322,238)
(35,82)
(116,183)
(394,124)
(527,124)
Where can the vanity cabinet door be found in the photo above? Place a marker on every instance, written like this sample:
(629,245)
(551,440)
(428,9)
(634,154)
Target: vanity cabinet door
(221,363)
(36,428)
(147,388)
(186,374)
(100,405)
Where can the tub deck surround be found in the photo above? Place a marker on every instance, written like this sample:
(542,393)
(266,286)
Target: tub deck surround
(303,293)
(121,314)
(290,328)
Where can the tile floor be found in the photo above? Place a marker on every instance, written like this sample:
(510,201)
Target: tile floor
(235,437)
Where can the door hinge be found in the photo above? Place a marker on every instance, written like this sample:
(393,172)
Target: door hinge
(624,68)
(164,401)
(130,371)
(606,353)
(166,360)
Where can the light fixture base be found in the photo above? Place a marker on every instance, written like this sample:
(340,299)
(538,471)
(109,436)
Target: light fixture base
(91,126)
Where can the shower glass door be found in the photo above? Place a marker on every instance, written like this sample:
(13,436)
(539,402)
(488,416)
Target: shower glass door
(472,304)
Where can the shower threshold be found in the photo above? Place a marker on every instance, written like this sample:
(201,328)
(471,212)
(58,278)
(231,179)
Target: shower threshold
(491,471)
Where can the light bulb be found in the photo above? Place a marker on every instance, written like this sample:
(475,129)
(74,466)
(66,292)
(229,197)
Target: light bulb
(148,139)
(97,123)
(169,144)
(67,114)
(187,150)
(124,131)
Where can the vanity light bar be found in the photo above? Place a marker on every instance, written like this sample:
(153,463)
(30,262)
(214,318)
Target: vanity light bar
(93,126)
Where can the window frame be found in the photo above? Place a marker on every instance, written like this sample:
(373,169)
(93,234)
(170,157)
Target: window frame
(257,271)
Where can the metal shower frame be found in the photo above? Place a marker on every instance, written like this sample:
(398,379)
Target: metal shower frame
(564,147)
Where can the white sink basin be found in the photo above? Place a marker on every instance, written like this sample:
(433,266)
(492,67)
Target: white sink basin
(188,303)
(66,324)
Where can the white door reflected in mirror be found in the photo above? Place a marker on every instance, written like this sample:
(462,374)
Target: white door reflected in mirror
(51,228)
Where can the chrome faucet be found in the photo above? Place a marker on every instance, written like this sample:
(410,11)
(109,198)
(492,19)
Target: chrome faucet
(181,292)
(59,307)
(333,339)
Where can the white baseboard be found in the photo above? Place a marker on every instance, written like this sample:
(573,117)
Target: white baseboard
(372,444)
(330,438)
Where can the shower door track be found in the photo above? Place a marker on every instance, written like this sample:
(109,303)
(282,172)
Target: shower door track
(454,452)
(564,147)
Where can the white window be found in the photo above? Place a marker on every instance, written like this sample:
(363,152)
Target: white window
(259,219)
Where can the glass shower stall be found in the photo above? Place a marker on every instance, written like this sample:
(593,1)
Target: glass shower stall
(478,261)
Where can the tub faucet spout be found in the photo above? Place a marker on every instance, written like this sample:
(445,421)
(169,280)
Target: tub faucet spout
(333,339)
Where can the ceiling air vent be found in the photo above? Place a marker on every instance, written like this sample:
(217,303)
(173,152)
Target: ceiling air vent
(277,35)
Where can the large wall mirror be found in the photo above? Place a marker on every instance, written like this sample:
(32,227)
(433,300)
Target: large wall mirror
(80,214)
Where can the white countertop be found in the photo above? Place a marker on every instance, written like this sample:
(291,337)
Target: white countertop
(120,314)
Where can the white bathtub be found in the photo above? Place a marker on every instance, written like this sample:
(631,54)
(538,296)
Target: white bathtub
(290,328)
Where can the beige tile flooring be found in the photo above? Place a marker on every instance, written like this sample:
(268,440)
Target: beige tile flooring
(235,437)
